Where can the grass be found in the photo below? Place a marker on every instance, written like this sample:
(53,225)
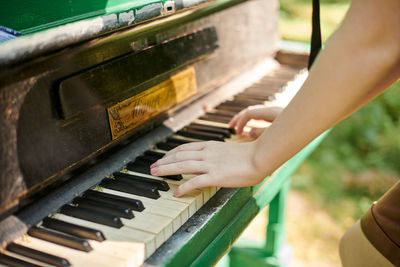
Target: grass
(359,160)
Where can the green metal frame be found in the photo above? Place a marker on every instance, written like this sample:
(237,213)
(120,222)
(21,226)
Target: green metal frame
(216,238)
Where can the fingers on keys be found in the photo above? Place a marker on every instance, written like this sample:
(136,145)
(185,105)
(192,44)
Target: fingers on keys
(194,146)
(239,121)
(179,156)
(197,182)
(256,132)
(181,167)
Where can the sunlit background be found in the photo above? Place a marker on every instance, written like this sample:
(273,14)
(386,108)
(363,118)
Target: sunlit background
(355,164)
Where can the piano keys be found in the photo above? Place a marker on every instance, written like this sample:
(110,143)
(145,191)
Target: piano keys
(127,240)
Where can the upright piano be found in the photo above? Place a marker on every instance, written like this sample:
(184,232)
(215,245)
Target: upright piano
(92,93)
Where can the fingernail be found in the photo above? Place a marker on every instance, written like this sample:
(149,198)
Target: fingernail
(154,171)
(177,193)
(253,132)
(153,165)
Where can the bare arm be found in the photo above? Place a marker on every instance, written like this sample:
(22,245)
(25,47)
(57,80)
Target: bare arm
(362,53)
(359,61)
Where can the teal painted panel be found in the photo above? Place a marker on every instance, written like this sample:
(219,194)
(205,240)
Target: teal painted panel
(30,16)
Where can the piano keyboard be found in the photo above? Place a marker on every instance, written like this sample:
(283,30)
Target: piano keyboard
(123,220)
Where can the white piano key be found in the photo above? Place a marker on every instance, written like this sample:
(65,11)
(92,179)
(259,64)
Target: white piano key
(160,226)
(76,257)
(27,259)
(175,210)
(140,244)
(195,199)
(213,190)
(206,194)
(211,123)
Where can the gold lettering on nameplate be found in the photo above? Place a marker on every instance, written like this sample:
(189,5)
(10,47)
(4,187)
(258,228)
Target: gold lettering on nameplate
(135,110)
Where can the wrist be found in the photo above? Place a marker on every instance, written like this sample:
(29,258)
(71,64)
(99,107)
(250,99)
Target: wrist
(259,160)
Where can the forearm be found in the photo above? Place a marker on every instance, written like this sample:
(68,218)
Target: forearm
(347,74)
(388,80)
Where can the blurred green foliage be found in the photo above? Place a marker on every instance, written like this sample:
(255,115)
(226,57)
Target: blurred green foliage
(357,162)
(360,158)
(295,18)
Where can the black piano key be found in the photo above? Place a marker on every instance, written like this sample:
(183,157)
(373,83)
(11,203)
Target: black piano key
(11,261)
(131,188)
(143,163)
(259,92)
(73,229)
(215,118)
(201,135)
(239,103)
(37,255)
(135,204)
(236,109)
(144,167)
(91,215)
(253,101)
(160,185)
(232,103)
(257,97)
(167,146)
(230,130)
(225,132)
(60,238)
(104,207)
(226,114)
(146,158)
(222,113)
(269,83)
(152,153)
(139,166)
(271,86)
(177,141)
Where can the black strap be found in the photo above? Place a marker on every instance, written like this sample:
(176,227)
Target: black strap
(316,42)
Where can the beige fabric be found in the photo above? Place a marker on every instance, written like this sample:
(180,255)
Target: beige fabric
(381,224)
(355,250)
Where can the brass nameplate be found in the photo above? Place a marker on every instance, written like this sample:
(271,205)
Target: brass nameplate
(135,110)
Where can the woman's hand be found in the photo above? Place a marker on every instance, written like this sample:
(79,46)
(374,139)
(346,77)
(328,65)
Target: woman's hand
(216,164)
(257,112)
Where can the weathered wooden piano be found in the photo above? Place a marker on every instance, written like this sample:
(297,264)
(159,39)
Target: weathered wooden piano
(98,90)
